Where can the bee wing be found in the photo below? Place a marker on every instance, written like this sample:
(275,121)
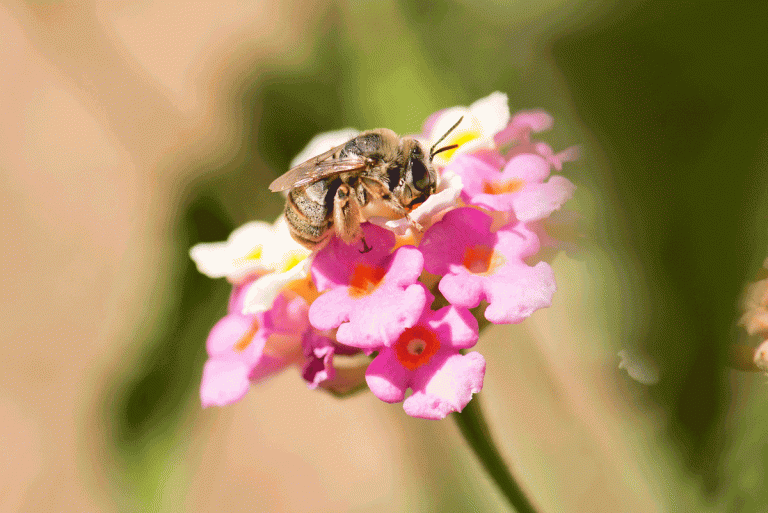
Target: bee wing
(316,168)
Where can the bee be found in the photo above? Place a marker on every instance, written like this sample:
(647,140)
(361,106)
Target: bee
(374,173)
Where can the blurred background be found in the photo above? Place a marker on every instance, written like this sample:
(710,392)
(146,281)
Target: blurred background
(130,131)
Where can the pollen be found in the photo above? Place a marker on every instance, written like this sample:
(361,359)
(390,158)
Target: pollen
(365,279)
(503,186)
(416,347)
(247,337)
(481,259)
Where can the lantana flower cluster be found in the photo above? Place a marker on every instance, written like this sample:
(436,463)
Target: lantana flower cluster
(403,315)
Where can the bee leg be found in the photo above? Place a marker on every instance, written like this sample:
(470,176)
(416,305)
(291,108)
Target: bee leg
(346,215)
(366,247)
(379,190)
(414,224)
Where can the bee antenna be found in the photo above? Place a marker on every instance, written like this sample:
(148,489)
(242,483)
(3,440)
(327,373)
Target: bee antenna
(432,151)
(444,148)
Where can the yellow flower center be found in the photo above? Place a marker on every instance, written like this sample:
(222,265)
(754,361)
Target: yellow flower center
(255,253)
(291,260)
(460,139)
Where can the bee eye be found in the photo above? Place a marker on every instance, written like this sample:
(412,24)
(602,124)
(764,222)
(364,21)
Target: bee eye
(394,176)
(419,175)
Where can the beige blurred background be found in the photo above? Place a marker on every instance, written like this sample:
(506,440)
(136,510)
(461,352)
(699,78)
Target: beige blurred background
(112,115)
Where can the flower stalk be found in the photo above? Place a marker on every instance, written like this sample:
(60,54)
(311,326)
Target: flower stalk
(474,428)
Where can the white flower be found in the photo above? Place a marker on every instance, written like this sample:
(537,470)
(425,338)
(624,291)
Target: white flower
(482,120)
(322,143)
(254,248)
(263,292)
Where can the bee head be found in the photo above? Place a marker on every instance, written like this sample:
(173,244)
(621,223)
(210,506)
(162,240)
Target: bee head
(419,179)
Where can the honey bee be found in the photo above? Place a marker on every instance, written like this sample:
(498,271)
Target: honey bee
(374,173)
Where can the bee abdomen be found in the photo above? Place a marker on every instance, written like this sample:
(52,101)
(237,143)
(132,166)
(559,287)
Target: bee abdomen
(309,221)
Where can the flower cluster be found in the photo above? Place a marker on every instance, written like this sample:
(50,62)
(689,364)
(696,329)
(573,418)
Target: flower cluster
(405,314)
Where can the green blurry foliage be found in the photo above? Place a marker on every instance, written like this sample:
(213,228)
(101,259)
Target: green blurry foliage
(145,409)
(676,99)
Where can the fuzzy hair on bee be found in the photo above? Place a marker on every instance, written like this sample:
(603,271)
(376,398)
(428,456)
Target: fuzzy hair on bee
(376,173)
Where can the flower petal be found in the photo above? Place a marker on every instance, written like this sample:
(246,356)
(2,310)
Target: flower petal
(387,379)
(527,167)
(334,264)
(224,382)
(379,321)
(462,289)
(228,331)
(230,258)
(522,124)
(492,112)
(449,389)
(538,201)
(456,325)
(263,291)
(319,351)
(514,296)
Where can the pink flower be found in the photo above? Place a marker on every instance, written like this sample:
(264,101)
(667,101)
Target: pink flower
(371,297)
(522,124)
(426,358)
(519,132)
(477,264)
(319,351)
(247,348)
(519,188)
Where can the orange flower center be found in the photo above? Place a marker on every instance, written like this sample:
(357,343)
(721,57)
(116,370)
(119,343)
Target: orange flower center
(247,337)
(305,288)
(416,346)
(365,279)
(503,186)
(481,259)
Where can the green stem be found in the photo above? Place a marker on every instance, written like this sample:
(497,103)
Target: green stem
(472,425)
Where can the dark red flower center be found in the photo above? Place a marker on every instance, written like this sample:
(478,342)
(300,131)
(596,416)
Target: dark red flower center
(416,346)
